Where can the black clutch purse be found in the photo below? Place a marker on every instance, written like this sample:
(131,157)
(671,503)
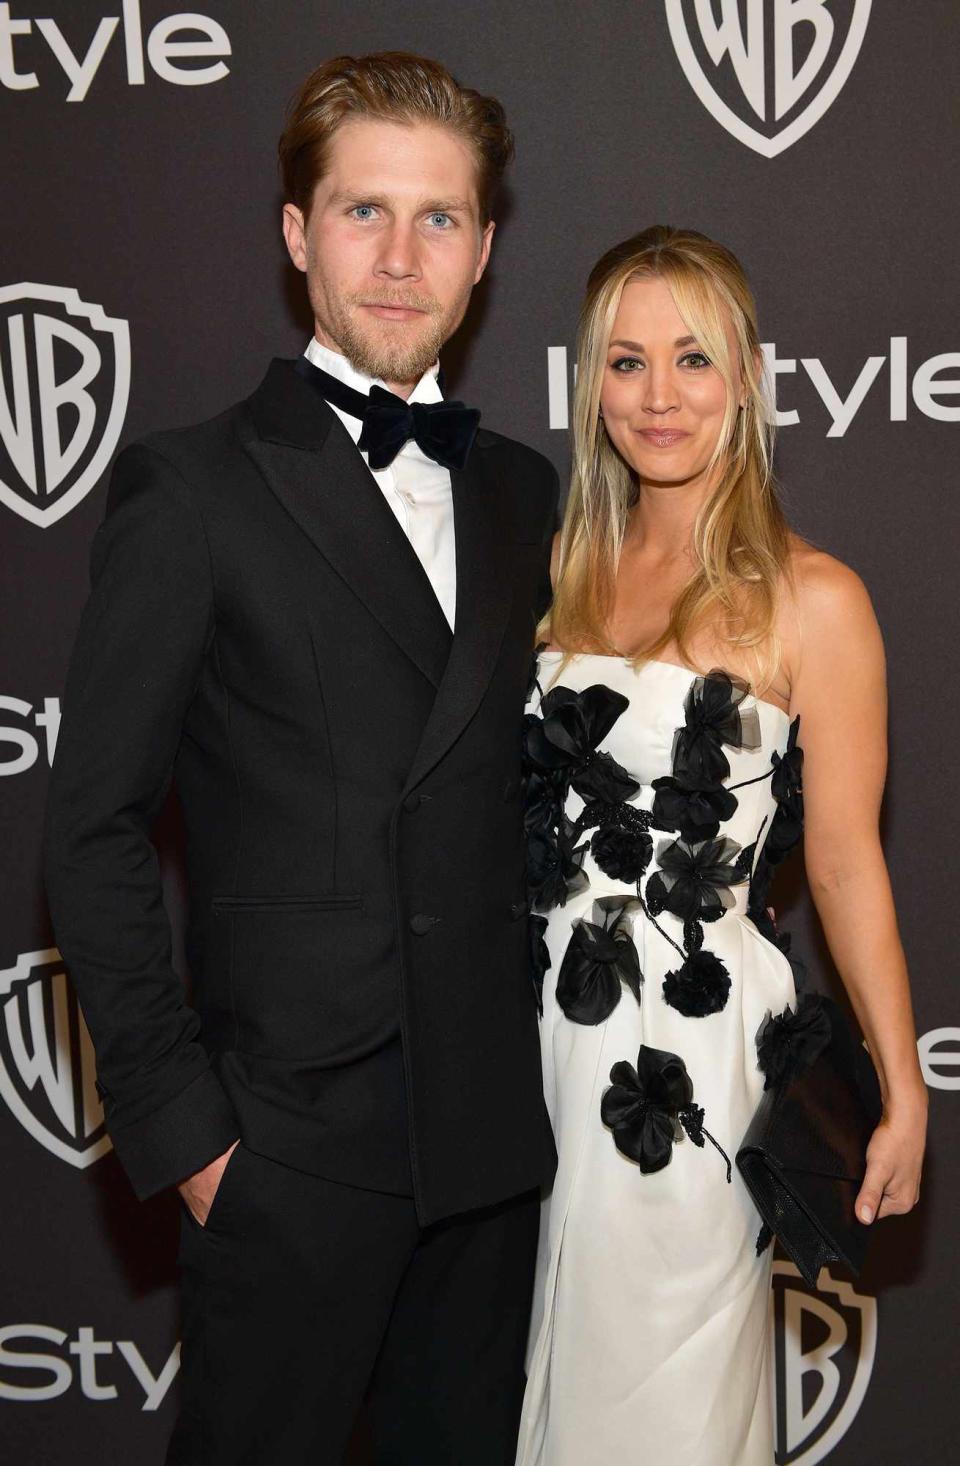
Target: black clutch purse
(803,1157)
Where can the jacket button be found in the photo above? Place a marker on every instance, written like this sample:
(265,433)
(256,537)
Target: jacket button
(518,909)
(421,923)
(412,803)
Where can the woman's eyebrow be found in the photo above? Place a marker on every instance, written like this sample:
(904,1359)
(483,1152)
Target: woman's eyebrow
(636,346)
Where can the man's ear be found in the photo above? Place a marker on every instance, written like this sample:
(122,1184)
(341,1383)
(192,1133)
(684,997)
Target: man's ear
(486,240)
(294,233)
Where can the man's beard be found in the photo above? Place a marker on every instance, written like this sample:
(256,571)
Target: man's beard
(377,349)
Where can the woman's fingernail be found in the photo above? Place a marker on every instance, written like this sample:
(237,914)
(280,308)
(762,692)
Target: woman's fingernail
(866,1214)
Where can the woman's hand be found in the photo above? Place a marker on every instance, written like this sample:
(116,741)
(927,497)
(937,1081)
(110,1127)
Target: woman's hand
(891,1186)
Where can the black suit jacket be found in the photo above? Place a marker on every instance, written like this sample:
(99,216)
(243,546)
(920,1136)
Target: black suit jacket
(261,631)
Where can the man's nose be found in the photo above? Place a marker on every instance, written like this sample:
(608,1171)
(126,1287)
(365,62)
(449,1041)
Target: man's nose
(399,257)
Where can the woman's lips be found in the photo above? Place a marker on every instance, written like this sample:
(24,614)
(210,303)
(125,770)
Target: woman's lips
(662,437)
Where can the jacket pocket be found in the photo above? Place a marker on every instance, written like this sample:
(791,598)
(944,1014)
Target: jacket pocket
(304,974)
(286,903)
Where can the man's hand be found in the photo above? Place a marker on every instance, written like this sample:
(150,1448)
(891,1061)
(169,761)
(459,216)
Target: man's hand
(199,1189)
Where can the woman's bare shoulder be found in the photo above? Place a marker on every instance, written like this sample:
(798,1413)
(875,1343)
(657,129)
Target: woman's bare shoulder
(820,585)
(833,619)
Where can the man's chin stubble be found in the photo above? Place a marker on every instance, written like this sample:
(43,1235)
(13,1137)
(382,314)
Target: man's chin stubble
(391,361)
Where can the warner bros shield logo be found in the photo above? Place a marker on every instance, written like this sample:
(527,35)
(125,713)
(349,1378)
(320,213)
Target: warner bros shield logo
(46,1059)
(767,70)
(64,388)
(825,1341)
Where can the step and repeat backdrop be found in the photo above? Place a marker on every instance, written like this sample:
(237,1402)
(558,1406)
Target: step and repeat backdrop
(143,284)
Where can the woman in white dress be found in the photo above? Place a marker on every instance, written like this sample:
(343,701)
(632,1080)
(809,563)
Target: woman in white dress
(700,657)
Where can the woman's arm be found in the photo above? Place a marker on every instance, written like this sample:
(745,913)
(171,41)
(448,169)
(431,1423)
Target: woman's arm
(838,686)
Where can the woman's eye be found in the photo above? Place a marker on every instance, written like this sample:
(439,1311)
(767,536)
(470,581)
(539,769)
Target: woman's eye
(626,364)
(695,359)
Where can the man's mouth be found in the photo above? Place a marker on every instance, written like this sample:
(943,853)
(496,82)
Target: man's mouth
(392,312)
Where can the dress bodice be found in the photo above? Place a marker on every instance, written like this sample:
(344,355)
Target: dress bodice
(711,728)
(657,789)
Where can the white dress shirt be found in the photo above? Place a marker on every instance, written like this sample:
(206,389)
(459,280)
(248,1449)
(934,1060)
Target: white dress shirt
(417,489)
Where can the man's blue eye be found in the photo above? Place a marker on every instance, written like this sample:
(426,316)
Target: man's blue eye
(440,220)
(364,211)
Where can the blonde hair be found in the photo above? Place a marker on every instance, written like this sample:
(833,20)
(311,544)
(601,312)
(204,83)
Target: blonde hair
(388,86)
(740,537)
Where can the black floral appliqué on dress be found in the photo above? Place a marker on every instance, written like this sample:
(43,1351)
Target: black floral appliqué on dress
(697,869)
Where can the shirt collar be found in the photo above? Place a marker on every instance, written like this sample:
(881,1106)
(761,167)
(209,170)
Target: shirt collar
(426,390)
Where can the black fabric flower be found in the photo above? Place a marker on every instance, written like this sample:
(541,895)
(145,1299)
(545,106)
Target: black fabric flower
(542,802)
(565,737)
(787,780)
(600,956)
(784,836)
(623,855)
(693,880)
(696,813)
(646,1107)
(603,778)
(791,1042)
(642,1106)
(786,784)
(699,986)
(712,719)
(554,865)
(539,956)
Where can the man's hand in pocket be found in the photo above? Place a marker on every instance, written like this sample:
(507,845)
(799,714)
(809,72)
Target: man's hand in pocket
(199,1189)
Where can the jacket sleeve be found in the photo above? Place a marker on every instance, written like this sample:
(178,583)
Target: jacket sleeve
(142,639)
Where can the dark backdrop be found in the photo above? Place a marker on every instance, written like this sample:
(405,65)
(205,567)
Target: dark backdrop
(143,284)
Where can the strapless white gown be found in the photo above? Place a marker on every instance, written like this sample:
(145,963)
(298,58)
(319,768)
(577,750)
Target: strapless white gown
(650,1334)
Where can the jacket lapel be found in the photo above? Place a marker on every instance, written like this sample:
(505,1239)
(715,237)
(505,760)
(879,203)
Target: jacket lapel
(484,594)
(312,466)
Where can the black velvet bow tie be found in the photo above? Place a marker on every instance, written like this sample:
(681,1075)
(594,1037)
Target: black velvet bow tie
(444,431)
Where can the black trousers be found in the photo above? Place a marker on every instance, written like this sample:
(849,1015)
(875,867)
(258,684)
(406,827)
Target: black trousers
(301,1297)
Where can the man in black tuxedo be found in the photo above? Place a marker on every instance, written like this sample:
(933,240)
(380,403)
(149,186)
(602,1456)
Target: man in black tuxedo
(316,614)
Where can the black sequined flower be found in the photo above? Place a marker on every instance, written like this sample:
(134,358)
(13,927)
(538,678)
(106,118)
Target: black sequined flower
(600,957)
(539,955)
(696,813)
(565,738)
(698,987)
(712,719)
(693,880)
(791,1042)
(623,855)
